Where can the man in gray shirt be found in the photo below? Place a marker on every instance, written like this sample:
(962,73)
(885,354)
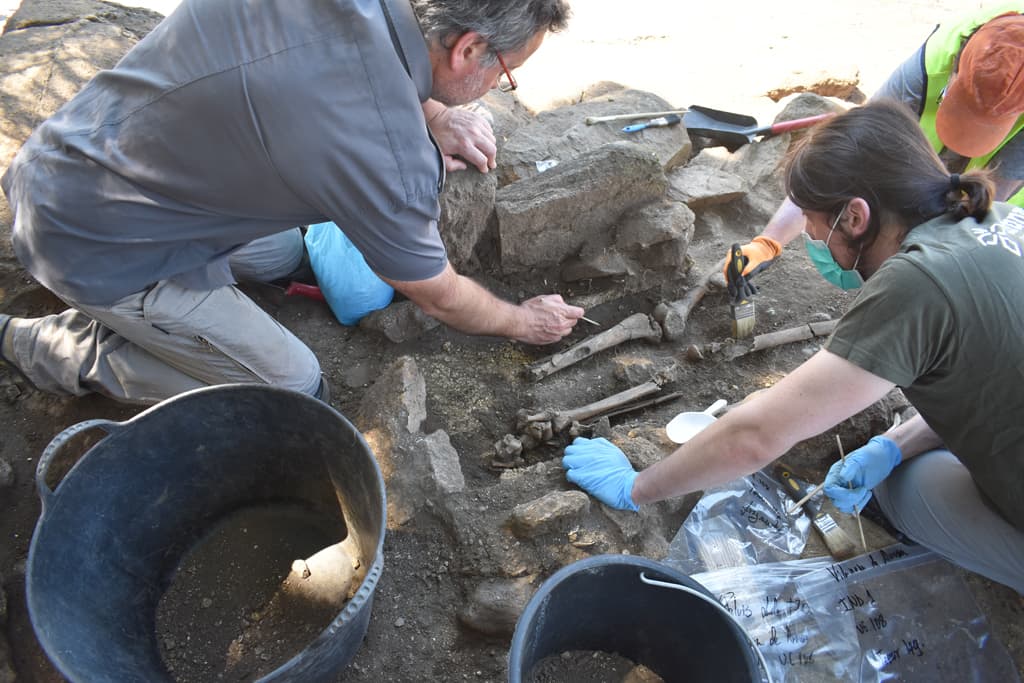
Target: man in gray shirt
(141,201)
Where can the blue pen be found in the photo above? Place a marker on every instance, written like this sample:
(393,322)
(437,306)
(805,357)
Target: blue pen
(659,122)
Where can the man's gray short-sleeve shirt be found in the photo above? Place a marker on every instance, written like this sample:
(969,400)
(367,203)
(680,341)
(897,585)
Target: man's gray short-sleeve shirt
(230,121)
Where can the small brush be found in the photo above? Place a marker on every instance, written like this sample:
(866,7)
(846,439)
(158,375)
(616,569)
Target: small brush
(860,524)
(743,319)
(743,316)
(839,544)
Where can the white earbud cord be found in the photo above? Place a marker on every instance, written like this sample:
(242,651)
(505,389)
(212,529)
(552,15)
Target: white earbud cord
(718,606)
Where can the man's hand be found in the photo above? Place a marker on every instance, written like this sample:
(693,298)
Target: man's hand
(598,467)
(546,319)
(759,253)
(465,137)
(849,484)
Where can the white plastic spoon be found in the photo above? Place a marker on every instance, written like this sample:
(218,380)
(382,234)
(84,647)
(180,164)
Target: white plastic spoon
(685,426)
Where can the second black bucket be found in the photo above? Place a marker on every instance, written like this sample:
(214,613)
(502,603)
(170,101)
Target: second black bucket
(602,604)
(111,534)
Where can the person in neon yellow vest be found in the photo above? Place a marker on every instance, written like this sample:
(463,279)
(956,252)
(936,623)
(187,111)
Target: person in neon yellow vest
(966,86)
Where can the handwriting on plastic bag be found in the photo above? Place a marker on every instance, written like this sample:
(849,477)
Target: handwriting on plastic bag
(869,619)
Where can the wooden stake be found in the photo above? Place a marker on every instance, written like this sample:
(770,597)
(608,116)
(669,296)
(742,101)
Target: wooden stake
(860,525)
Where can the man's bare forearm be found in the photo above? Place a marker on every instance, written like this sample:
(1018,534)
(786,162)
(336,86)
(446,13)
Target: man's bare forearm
(461,303)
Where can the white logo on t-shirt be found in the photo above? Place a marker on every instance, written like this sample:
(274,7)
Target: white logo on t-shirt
(1005,233)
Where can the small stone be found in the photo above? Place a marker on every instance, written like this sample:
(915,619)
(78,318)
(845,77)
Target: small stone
(11,393)
(6,474)
(399,622)
(206,602)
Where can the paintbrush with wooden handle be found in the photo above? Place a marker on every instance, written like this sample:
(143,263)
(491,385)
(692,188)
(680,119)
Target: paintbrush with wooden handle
(836,540)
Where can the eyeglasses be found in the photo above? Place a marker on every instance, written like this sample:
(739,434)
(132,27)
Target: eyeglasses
(506,82)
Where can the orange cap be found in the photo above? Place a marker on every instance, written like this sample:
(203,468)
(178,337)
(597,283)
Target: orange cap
(986,95)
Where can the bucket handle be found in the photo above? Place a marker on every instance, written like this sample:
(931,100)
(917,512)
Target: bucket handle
(717,605)
(57,443)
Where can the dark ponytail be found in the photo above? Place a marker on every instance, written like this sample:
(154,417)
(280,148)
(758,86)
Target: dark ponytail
(970,195)
(878,152)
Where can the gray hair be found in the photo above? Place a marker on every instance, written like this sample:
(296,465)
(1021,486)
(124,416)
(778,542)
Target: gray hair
(507,25)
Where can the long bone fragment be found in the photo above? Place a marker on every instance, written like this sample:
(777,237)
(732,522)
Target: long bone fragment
(763,342)
(561,419)
(636,326)
(672,316)
(668,322)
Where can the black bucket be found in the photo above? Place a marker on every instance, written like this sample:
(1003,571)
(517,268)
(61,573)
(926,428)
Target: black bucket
(603,604)
(112,533)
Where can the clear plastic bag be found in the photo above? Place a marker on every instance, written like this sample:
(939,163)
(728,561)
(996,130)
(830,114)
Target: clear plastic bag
(799,639)
(899,613)
(742,523)
(913,615)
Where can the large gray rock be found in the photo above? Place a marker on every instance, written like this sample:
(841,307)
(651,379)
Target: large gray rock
(547,218)
(654,237)
(417,468)
(467,204)
(562,134)
(397,402)
(556,511)
(654,225)
(700,185)
(32,13)
(494,605)
(49,51)
(442,461)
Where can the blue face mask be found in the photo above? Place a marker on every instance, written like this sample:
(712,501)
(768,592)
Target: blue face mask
(821,257)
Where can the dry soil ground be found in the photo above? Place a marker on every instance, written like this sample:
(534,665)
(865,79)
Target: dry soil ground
(724,55)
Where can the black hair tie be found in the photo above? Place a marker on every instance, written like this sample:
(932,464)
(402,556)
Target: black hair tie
(954,181)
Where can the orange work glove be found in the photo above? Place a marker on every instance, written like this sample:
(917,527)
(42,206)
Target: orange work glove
(759,253)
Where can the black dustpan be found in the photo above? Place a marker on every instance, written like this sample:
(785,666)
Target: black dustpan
(735,130)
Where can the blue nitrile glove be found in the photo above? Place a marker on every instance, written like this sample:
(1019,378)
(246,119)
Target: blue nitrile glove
(598,467)
(864,469)
(351,289)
